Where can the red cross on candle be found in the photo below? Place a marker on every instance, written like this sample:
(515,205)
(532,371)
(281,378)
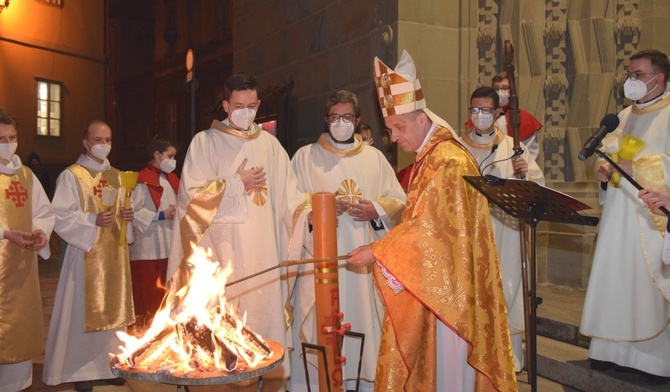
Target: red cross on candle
(17,193)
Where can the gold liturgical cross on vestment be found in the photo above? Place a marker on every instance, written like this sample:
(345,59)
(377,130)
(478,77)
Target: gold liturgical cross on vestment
(349,192)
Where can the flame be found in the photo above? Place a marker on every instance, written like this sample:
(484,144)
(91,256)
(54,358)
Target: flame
(195,329)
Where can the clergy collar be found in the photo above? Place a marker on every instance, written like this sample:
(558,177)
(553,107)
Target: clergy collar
(471,139)
(328,145)
(12,167)
(653,105)
(92,164)
(342,146)
(223,127)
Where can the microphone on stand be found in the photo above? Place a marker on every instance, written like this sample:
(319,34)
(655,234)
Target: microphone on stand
(516,154)
(607,125)
(493,150)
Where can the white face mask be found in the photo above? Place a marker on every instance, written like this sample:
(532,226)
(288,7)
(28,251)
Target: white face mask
(7,150)
(101,151)
(637,89)
(341,130)
(168,165)
(503,97)
(242,118)
(482,121)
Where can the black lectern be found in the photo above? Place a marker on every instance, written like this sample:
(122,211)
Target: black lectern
(531,203)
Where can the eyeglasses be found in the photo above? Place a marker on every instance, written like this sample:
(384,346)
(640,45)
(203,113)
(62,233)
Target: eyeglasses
(336,117)
(482,110)
(636,75)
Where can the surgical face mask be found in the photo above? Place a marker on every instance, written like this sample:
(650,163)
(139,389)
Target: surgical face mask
(341,130)
(168,165)
(242,118)
(636,89)
(100,151)
(503,96)
(482,121)
(7,150)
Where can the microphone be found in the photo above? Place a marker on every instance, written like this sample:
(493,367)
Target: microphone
(493,150)
(607,125)
(517,153)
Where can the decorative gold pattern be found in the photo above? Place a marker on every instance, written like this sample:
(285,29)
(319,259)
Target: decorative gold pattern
(443,253)
(252,134)
(259,195)
(649,173)
(660,104)
(195,223)
(108,287)
(325,144)
(20,331)
(349,192)
(389,101)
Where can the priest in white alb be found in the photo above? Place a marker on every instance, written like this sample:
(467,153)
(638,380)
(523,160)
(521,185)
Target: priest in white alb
(238,197)
(94,295)
(26,222)
(627,304)
(495,155)
(369,202)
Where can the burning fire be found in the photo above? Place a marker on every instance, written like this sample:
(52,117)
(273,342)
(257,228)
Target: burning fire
(195,330)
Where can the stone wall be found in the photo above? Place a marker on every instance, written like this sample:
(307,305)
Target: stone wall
(322,46)
(568,58)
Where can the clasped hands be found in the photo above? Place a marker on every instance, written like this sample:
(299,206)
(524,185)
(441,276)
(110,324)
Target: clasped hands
(34,241)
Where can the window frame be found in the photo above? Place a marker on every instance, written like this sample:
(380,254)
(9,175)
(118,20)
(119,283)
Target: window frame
(50,83)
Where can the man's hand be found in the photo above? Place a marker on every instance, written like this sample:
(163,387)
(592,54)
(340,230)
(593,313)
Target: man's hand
(341,206)
(361,256)
(604,172)
(655,200)
(520,167)
(39,239)
(127,214)
(20,238)
(363,211)
(103,219)
(252,178)
(169,213)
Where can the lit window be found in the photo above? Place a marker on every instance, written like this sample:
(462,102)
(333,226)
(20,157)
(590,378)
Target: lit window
(49,107)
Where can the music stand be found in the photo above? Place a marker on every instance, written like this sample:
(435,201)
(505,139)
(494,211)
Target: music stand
(531,203)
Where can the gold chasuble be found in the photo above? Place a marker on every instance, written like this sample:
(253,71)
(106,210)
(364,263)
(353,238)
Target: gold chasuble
(444,255)
(20,303)
(108,288)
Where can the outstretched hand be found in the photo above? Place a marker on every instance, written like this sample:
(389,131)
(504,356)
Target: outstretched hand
(361,256)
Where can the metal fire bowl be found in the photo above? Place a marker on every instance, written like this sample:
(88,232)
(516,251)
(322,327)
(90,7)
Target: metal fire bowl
(196,377)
